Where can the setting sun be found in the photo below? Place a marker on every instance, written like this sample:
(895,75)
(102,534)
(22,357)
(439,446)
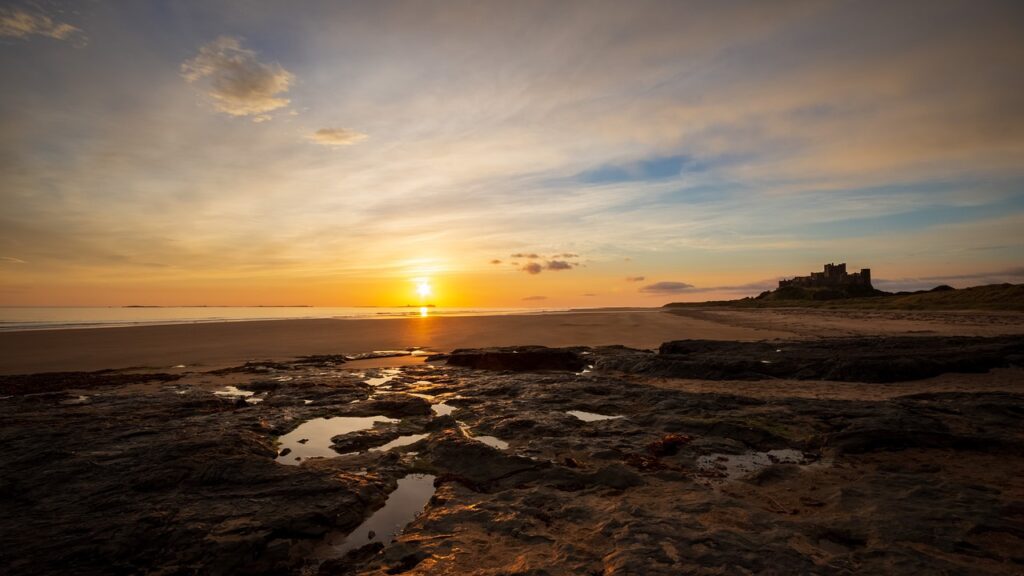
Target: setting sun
(423,288)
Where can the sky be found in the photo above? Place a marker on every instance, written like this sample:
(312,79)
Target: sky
(519,154)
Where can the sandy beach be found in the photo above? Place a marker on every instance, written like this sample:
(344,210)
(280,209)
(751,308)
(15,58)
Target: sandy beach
(225,343)
(210,345)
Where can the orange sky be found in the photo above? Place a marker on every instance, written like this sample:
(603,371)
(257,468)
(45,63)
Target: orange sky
(512,154)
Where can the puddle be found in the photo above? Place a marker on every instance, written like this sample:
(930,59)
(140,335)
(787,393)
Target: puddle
(442,409)
(75,401)
(233,392)
(492,441)
(386,375)
(378,354)
(587,370)
(317,434)
(402,507)
(590,416)
(719,468)
(400,441)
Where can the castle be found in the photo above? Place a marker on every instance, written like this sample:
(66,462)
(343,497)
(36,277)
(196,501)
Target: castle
(834,275)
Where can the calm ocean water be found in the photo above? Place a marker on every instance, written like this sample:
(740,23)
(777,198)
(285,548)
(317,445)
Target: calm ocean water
(40,318)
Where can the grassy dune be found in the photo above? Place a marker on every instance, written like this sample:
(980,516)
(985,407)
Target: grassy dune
(991,297)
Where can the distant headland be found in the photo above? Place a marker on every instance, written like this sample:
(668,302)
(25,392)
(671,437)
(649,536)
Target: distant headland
(834,287)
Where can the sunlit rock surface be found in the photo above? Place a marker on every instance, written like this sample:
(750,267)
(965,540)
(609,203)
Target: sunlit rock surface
(616,471)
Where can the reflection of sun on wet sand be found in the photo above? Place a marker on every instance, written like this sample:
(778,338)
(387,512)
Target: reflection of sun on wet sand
(231,342)
(225,343)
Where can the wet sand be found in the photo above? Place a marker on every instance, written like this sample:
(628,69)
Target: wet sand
(228,343)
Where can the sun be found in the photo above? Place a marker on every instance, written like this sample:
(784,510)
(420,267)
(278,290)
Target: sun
(423,288)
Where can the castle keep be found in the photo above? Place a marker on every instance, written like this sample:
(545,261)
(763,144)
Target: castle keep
(834,275)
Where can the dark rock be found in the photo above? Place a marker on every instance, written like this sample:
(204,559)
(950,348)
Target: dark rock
(616,476)
(395,406)
(668,444)
(519,358)
(351,560)
(473,461)
(861,359)
(56,381)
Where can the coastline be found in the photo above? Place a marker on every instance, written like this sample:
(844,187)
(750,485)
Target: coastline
(209,345)
(218,344)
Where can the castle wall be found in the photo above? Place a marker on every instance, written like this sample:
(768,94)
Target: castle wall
(831,275)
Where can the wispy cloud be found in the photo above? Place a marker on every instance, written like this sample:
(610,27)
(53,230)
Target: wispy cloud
(534,298)
(635,278)
(667,288)
(553,265)
(11,260)
(22,23)
(337,137)
(691,139)
(237,81)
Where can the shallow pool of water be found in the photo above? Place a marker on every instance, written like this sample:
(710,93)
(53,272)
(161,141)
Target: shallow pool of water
(385,376)
(400,441)
(234,392)
(492,441)
(402,507)
(442,409)
(317,434)
(590,416)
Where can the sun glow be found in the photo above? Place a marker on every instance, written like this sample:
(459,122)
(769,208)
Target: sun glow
(423,288)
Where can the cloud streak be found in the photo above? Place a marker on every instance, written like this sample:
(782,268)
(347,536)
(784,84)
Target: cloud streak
(337,137)
(667,288)
(21,23)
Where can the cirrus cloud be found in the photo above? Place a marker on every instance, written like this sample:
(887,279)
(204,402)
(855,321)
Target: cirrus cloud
(667,288)
(21,23)
(238,83)
(337,137)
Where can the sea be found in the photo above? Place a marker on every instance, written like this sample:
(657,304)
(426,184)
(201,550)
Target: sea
(19,318)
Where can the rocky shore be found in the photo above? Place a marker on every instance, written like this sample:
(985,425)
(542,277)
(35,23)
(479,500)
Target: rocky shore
(523,460)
